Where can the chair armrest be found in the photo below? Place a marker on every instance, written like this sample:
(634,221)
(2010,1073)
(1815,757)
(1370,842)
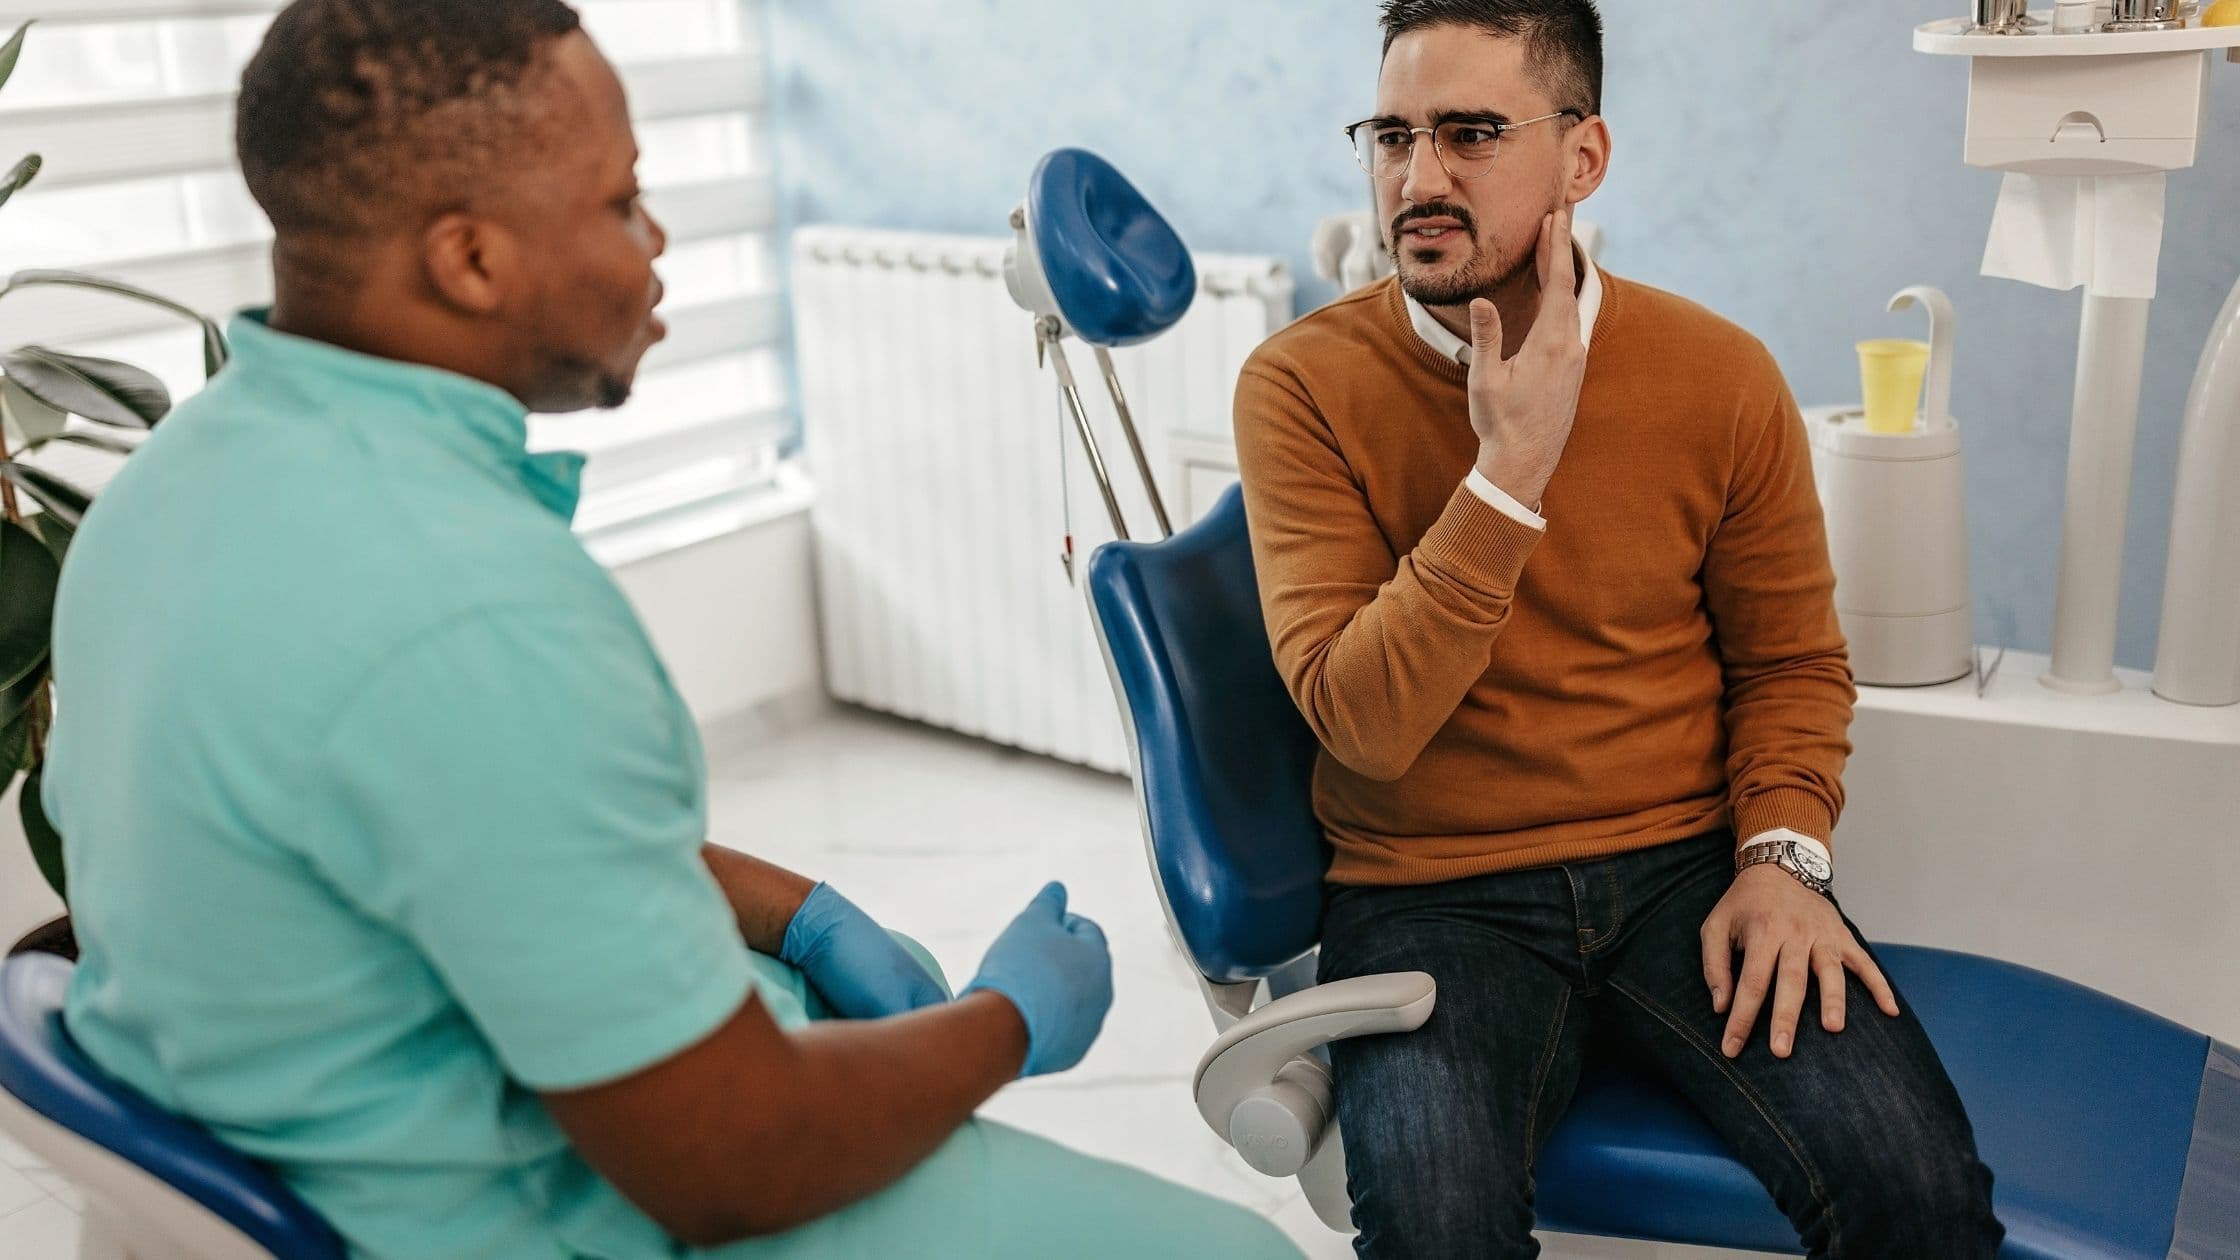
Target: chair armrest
(1260,1085)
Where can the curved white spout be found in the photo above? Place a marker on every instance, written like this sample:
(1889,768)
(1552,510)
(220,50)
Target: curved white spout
(2199,659)
(1936,400)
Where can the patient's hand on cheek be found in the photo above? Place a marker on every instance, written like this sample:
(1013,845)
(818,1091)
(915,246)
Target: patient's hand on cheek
(1523,407)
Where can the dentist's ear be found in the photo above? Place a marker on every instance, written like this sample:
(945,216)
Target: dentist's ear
(465,261)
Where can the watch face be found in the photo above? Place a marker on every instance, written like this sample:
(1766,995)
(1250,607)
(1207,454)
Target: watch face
(1812,863)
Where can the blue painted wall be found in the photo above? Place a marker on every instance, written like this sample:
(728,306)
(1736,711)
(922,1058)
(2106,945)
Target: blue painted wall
(1791,169)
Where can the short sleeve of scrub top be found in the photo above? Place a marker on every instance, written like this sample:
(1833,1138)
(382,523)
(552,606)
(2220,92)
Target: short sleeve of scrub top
(529,803)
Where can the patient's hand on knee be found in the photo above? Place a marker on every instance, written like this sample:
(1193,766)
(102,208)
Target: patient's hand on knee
(1788,936)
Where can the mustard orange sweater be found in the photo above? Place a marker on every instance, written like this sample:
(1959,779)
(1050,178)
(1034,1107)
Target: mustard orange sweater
(1663,661)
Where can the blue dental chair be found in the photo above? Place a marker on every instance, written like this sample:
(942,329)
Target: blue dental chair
(2113,1134)
(157,1187)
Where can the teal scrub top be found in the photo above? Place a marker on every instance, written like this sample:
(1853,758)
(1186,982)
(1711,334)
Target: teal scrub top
(381,813)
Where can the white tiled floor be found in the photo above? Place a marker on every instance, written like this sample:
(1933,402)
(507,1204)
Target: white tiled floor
(38,1210)
(946,838)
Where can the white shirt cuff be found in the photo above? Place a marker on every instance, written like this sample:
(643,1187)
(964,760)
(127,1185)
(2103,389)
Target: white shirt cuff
(1503,502)
(1805,842)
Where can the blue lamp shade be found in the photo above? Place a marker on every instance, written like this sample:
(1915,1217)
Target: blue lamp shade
(1120,273)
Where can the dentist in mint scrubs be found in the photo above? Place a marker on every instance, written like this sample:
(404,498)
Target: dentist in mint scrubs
(386,830)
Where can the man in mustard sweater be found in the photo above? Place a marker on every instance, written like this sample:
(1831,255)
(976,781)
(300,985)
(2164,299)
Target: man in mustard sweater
(1543,566)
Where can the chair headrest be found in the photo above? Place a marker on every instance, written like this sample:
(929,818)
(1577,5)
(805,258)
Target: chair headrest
(1120,273)
(46,1071)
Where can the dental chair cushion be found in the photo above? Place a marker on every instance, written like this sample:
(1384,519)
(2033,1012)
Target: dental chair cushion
(2083,1106)
(45,1071)
(1225,764)
(1120,273)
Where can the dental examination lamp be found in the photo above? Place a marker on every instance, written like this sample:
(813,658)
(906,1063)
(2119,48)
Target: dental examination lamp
(1093,260)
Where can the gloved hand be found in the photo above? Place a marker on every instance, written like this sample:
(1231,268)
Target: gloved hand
(859,970)
(1056,968)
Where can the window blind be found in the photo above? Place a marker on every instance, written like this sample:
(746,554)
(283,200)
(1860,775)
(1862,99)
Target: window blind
(130,102)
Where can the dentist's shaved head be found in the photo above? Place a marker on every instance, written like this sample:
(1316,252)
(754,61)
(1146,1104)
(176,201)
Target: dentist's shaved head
(1562,38)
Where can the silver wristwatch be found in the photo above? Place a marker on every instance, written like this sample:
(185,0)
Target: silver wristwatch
(1809,868)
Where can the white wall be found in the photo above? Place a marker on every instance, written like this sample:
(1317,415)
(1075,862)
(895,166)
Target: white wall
(735,619)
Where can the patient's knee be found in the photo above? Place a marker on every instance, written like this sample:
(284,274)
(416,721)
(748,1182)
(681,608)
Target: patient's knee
(1926,1203)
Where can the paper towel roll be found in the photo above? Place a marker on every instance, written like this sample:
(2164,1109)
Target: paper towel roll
(2061,231)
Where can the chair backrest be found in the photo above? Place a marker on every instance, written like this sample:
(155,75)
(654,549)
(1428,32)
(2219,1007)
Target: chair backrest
(1224,763)
(46,1072)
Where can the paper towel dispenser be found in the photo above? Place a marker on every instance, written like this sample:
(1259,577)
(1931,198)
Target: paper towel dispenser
(2104,102)
(2087,115)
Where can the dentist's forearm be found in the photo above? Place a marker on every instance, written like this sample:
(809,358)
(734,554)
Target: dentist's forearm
(764,898)
(758,1129)
(871,1100)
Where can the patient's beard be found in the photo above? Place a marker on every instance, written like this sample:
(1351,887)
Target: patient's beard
(1483,276)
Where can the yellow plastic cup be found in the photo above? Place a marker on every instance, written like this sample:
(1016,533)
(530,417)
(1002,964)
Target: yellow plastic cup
(1890,375)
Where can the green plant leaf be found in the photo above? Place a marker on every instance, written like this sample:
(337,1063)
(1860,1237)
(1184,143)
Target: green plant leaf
(101,390)
(215,352)
(28,573)
(101,440)
(57,496)
(46,842)
(55,534)
(15,748)
(19,178)
(16,697)
(29,420)
(10,53)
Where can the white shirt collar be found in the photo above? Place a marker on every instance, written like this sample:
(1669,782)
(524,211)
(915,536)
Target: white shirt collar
(1448,345)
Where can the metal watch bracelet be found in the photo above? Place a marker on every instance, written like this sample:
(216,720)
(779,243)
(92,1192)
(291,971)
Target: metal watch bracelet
(1806,868)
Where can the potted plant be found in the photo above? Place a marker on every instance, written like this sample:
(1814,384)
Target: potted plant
(49,401)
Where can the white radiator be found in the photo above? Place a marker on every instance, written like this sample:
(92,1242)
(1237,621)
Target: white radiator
(940,516)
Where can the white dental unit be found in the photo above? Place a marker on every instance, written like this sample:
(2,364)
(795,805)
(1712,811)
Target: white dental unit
(2059,812)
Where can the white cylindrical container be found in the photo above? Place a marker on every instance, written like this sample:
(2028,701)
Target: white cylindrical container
(2103,433)
(1896,508)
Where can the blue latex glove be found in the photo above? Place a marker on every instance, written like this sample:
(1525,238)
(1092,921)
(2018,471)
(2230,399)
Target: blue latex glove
(852,962)
(1056,968)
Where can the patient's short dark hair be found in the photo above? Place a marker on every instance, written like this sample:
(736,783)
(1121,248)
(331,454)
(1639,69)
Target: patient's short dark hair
(356,114)
(1563,38)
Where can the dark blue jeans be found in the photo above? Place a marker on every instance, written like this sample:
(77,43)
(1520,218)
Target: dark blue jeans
(1859,1135)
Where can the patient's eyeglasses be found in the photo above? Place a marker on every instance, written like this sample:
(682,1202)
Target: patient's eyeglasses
(1466,146)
